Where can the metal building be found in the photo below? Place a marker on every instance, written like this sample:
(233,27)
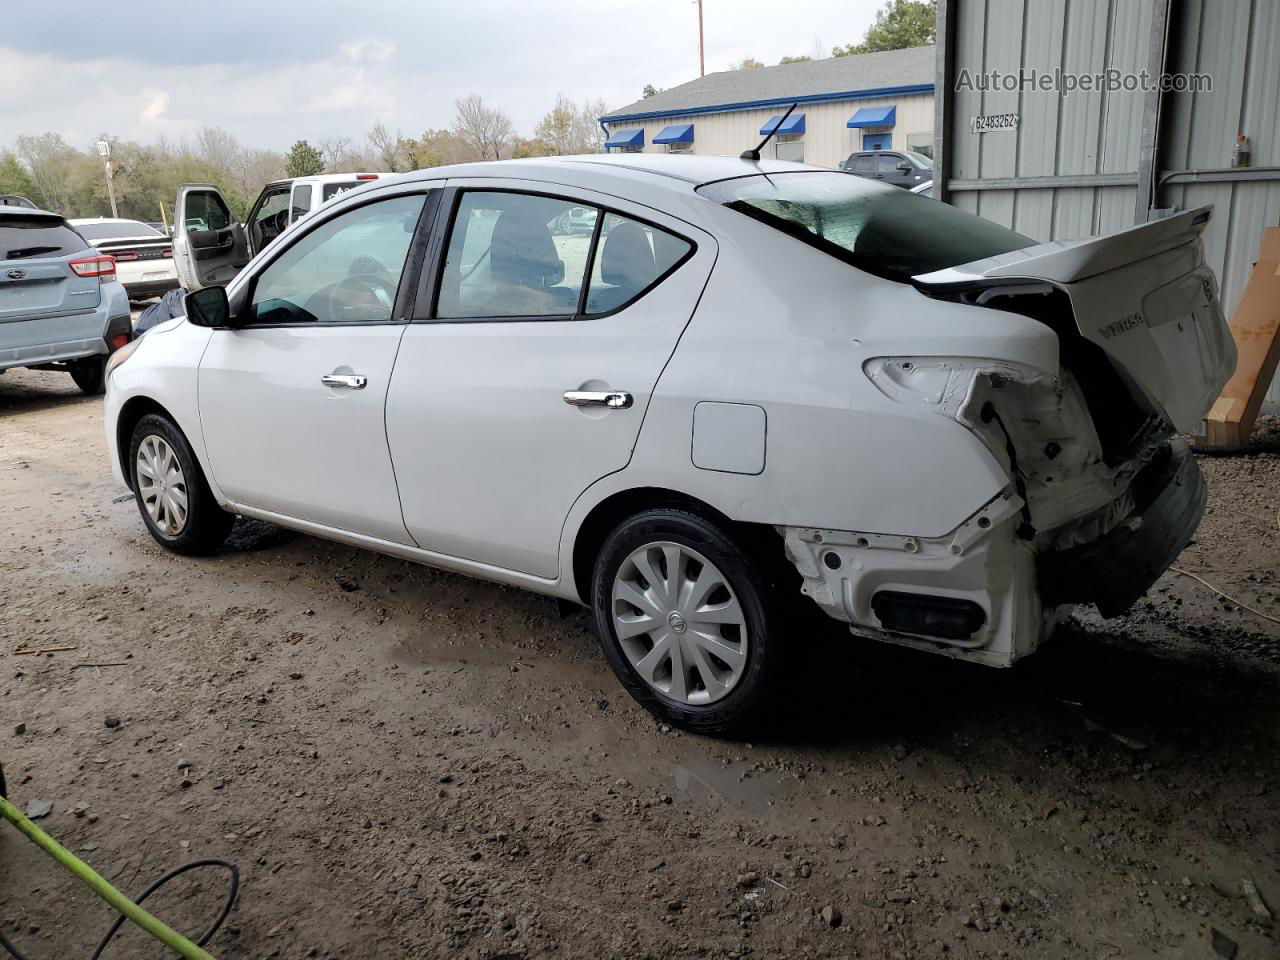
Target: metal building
(868,101)
(1058,165)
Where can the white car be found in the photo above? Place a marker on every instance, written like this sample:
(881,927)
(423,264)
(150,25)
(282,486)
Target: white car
(210,247)
(751,383)
(144,255)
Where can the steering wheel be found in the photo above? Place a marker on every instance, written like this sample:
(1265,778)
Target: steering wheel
(356,296)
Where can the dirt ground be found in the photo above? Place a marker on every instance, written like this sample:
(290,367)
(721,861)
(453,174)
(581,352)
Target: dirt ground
(407,763)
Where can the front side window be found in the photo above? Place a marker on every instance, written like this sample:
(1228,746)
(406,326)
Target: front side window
(631,257)
(515,255)
(206,210)
(887,163)
(347,270)
(881,229)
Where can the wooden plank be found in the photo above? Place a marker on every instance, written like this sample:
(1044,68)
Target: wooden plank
(1255,327)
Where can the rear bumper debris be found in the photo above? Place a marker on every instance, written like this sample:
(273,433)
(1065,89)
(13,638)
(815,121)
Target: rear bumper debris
(1115,570)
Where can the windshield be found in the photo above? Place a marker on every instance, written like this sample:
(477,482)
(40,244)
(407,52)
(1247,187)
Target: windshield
(881,229)
(121,228)
(39,236)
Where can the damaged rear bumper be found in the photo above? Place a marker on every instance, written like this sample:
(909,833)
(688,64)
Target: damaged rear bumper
(1115,570)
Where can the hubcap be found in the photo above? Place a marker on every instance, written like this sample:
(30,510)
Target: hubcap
(679,623)
(162,485)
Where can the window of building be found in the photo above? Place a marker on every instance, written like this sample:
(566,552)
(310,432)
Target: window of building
(679,148)
(789,148)
(921,143)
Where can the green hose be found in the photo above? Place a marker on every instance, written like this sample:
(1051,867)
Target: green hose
(117,900)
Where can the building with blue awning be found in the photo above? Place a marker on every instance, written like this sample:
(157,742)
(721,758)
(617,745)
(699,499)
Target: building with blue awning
(843,105)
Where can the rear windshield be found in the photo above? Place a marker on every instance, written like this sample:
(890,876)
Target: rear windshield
(881,229)
(109,231)
(24,237)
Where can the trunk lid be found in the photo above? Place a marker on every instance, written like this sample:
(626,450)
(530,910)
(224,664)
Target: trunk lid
(1143,295)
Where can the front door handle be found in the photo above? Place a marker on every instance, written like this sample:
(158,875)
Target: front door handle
(613,399)
(350,381)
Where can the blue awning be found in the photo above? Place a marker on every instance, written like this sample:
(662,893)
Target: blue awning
(626,138)
(874,117)
(793,126)
(676,133)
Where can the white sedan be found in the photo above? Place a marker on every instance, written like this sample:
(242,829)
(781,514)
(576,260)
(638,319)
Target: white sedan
(143,255)
(748,389)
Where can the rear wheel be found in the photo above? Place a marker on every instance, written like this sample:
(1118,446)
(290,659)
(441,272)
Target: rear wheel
(170,489)
(683,615)
(89,374)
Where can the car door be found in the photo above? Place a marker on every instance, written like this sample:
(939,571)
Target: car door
(209,246)
(291,401)
(515,389)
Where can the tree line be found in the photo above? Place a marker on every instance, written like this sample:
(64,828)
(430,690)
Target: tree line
(58,176)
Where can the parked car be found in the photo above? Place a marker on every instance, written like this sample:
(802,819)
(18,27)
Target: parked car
(766,382)
(925,189)
(12,200)
(210,247)
(143,255)
(901,168)
(61,305)
(578,221)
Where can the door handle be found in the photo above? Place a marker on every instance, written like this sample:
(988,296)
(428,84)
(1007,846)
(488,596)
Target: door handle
(350,381)
(613,399)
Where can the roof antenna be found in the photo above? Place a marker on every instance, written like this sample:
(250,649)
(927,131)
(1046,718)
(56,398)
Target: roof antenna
(755,154)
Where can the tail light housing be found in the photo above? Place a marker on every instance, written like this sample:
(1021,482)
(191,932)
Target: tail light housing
(102,267)
(167,253)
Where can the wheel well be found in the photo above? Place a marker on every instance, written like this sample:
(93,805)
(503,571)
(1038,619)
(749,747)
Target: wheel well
(609,512)
(135,409)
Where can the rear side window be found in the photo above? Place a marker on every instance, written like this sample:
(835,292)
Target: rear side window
(331,190)
(881,229)
(515,255)
(24,237)
(631,258)
(863,164)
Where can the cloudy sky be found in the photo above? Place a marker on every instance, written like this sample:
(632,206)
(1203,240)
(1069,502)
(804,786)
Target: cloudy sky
(273,71)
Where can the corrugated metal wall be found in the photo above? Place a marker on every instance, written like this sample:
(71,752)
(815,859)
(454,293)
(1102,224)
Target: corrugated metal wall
(1237,42)
(1098,134)
(1084,133)
(828,141)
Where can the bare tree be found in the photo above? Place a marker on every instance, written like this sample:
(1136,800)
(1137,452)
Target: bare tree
(486,130)
(254,168)
(218,148)
(335,150)
(590,135)
(49,159)
(388,148)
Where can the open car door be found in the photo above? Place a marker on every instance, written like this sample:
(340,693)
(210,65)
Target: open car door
(209,246)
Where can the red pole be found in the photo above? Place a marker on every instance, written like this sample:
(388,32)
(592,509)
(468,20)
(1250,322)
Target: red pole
(702,59)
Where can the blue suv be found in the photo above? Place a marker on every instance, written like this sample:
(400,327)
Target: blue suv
(61,306)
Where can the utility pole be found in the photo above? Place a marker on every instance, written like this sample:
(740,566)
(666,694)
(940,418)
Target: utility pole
(702,53)
(104,151)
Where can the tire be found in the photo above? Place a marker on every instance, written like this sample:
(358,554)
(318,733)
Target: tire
(89,374)
(647,542)
(205,525)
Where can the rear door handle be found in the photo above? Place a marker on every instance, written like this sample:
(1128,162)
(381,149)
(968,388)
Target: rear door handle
(350,381)
(613,399)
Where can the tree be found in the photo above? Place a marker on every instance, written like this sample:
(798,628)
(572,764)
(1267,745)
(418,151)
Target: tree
(902,23)
(303,160)
(14,177)
(50,161)
(218,148)
(803,58)
(651,91)
(391,150)
(556,131)
(486,130)
(746,63)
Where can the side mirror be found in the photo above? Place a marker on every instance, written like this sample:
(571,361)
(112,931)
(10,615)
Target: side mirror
(904,167)
(208,307)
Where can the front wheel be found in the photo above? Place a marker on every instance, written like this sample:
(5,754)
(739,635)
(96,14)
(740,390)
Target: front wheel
(172,495)
(89,374)
(682,612)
